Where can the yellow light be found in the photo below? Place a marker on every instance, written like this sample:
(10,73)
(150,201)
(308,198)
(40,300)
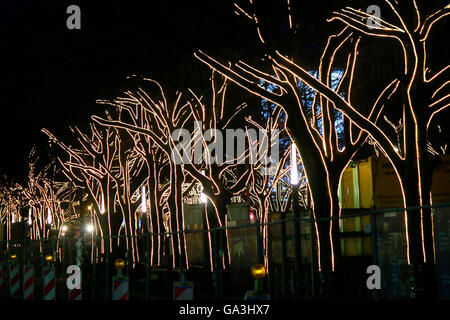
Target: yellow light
(119,263)
(89,207)
(64,228)
(48,258)
(13,256)
(258,271)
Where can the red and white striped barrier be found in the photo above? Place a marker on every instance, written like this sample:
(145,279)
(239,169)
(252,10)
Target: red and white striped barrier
(1,277)
(75,294)
(28,283)
(49,284)
(183,290)
(14,282)
(120,288)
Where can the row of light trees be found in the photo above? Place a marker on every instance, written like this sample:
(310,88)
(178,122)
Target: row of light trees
(124,161)
(423,92)
(123,165)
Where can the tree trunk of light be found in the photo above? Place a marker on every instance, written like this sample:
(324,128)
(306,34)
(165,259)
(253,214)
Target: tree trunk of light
(322,197)
(416,182)
(176,219)
(221,205)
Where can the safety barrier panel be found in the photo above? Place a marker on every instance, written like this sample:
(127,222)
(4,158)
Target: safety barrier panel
(375,237)
(28,283)
(49,284)
(183,290)
(75,294)
(14,280)
(120,288)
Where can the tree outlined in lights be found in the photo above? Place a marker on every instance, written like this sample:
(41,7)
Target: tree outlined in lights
(424,93)
(326,139)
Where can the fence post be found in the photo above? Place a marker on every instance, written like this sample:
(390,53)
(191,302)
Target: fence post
(63,267)
(297,242)
(259,253)
(284,260)
(313,252)
(373,231)
(94,265)
(127,258)
(215,265)
(42,267)
(107,266)
(147,270)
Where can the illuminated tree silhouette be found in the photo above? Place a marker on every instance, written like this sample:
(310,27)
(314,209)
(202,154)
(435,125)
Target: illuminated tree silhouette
(157,120)
(425,94)
(325,138)
(110,171)
(45,199)
(10,204)
(157,165)
(269,190)
(40,206)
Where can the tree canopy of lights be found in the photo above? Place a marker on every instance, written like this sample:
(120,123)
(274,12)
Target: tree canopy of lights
(424,95)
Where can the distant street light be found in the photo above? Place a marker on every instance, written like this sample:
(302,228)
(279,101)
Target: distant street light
(90,228)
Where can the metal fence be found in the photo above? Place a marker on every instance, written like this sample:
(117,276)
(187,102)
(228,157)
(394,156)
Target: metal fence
(366,238)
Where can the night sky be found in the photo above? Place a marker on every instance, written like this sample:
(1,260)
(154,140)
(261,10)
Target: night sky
(51,76)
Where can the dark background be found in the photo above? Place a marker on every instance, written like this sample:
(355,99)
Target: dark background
(50,76)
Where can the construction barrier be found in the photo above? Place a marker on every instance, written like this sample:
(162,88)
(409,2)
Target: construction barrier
(75,294)
(183,290)
(120,288)
(14,280)
(28,283)
(49,284)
